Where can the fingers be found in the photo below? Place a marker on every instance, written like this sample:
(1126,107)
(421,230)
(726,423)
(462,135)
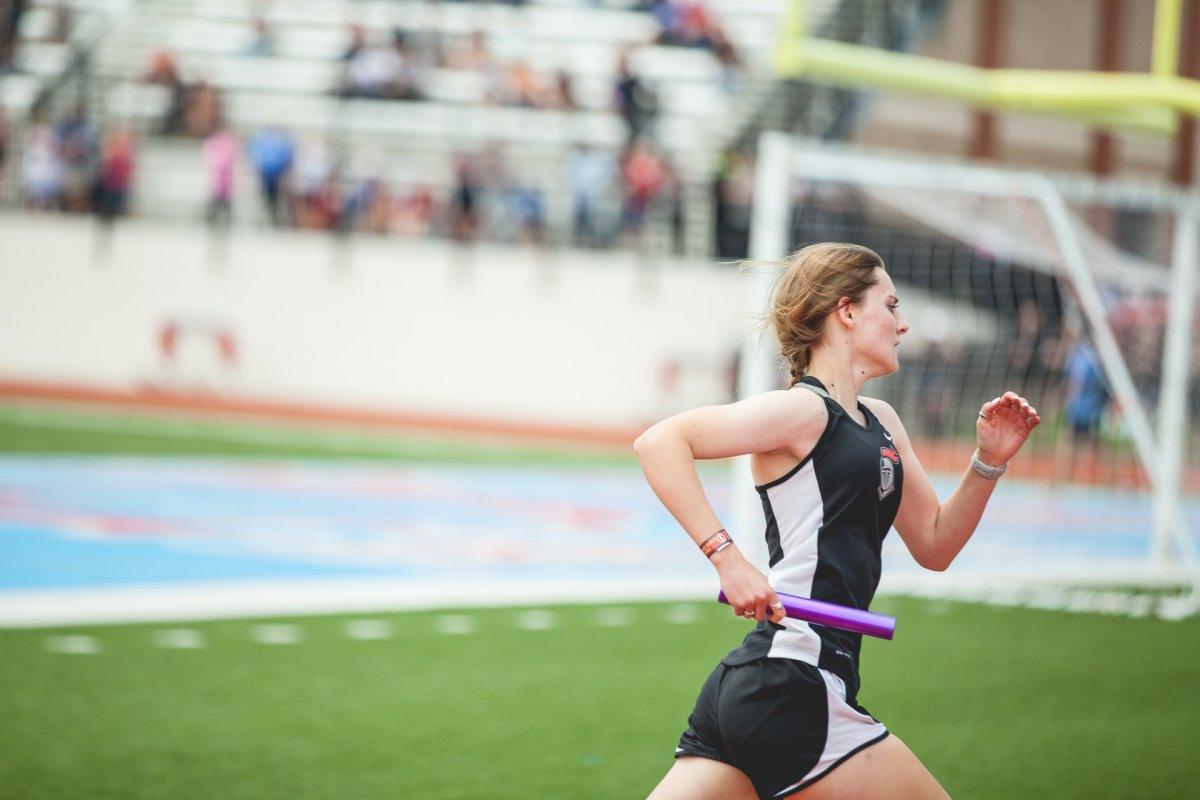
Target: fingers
(758,608)
(1012,406)
(777,611)
(762,610)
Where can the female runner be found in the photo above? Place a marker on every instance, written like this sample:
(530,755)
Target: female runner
(778,716)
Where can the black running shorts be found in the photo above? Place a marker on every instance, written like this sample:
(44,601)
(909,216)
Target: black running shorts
(783,722)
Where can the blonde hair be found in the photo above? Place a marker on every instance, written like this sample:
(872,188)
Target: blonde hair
(817,277)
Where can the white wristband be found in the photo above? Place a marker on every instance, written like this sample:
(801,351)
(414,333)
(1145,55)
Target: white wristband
(986,470)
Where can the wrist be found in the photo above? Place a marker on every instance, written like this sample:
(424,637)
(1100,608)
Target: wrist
(728,555)
(985,469)
(990,460)
(716,543)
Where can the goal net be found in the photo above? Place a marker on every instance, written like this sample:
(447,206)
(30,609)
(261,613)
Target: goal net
(1076,294)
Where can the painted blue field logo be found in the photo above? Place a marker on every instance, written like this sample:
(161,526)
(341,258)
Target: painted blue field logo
(212,520)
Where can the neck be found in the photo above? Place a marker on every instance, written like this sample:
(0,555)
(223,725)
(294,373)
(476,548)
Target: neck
(842,379)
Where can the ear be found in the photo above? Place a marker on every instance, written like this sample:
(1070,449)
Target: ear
(845,312)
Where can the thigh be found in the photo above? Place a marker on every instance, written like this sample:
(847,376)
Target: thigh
(887,770)
(696,778)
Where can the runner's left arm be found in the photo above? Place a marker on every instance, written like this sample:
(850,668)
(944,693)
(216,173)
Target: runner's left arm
(935,532)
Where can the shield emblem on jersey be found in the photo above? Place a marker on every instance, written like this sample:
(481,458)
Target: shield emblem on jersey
(888,459)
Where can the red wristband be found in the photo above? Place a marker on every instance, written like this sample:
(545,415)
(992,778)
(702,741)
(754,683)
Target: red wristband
(716,543)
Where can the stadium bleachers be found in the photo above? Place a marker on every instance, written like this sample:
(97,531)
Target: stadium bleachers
(701,104)
(296,86)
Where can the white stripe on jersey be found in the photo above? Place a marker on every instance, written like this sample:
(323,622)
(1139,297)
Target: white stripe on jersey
(799,512)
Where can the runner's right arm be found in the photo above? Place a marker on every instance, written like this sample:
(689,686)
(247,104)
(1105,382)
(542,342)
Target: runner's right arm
(782,422)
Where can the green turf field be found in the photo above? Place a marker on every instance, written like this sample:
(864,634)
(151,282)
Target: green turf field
(999,703)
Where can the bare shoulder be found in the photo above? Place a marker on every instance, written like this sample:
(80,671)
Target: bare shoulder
(887,415)
(798,415)
(883,410)
(770,422)
(790,408)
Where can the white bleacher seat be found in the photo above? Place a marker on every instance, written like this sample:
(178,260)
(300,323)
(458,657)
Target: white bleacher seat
(311,41)
(37,23)
(574,23)
(43,58)
(693,99)
(275,74)
(207,36)
(456,86)
(18,92)
(140,103)
(662,63)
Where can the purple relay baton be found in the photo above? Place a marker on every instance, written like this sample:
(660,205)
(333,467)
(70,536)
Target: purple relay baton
(835,616)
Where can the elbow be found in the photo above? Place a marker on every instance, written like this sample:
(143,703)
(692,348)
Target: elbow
(936,563)
(653,440)
(643,443)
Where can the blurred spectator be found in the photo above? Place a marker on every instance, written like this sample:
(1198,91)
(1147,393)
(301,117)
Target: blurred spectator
(162,71)
(60,30)
(117,163)
(687,23)
(673,193)
(358,43)
(413,212)
(524,86)
(1087,395)
(365,203)
(1024,354)
(382,72)
(634,101)
(11,12)
(271,153)
(4,139)
(202,112)
(592,175)
(727,57)
(78,145)
(525,212)
(464,204)
(563,94)
(220,158)
(473,55)
(733,187)
(41,168)
(644,175)
(314,188)
(262,41)
(411,78)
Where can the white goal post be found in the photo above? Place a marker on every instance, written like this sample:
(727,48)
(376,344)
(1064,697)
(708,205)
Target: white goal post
(1027,216)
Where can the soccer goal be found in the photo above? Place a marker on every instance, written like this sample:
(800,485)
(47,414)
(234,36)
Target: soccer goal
(1080,295)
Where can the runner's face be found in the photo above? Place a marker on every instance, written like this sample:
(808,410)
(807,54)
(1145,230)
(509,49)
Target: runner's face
(880,325)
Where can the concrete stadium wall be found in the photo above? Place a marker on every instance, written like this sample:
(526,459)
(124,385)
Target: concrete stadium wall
(492,332)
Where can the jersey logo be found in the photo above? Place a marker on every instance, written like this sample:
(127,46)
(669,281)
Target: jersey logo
(888,458)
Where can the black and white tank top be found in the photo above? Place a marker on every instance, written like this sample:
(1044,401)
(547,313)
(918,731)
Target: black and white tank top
(825,524)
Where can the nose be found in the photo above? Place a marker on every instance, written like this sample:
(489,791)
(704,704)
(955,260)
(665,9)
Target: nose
(901,324)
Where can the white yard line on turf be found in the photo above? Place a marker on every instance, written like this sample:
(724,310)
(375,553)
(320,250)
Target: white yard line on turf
(76,645)
(277,634)
(179,639)
(369,629)
(456,624)
(535,620)
(197,601)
